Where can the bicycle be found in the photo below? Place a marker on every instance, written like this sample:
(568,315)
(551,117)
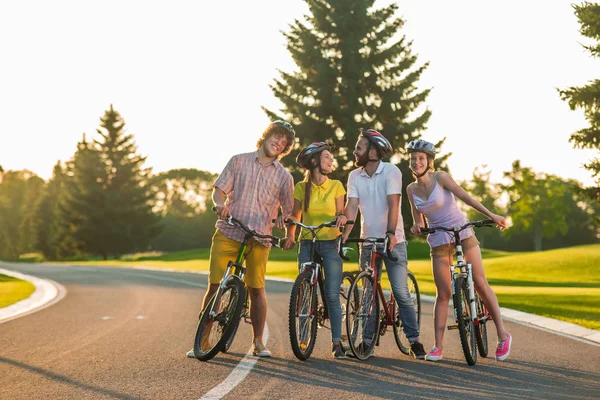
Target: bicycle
(221,317)
(366,294)
(306,311)
(470,313)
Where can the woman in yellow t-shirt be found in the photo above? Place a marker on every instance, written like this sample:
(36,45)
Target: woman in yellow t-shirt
(319,199)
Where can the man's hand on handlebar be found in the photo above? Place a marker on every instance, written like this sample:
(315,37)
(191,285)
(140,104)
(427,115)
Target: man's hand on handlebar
(222,211)
(289,243)
(280,221)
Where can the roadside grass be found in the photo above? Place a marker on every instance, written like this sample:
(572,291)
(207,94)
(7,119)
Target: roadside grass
(13,290)
(563,284)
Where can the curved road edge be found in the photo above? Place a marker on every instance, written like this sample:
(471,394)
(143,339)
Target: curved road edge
(48,293)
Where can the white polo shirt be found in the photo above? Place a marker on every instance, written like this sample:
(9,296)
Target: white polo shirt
(372,192)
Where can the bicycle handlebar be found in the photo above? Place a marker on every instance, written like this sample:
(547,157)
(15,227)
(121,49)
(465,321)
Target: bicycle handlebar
(477,224)
(313,228)
(374,241)
(231,220)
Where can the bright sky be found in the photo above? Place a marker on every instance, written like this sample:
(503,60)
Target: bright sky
(189,78)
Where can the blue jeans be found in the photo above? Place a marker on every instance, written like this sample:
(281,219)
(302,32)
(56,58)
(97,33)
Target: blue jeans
(327,255)
(397,272)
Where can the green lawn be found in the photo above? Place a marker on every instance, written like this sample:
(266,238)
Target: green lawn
(13,290)
(562,284)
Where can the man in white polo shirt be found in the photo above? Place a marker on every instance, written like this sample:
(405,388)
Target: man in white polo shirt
(375,188)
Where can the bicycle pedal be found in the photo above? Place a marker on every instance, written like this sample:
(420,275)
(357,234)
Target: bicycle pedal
(452,327)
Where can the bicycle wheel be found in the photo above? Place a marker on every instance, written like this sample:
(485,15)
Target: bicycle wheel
(213,331)
(413,289)
(481,327)
(302,316)
(229,340)
(347,278)
(466,329)
(362,316)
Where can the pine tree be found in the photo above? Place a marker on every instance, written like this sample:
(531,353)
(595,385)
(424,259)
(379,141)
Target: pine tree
(46,215)
(128,195)
(587,97)
(353,73)
(107,207)
(83,225)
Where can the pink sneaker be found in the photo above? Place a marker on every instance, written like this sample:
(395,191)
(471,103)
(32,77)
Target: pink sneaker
(434,354)
(503,349)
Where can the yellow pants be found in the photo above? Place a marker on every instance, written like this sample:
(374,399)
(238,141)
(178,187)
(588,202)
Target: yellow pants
(224,250)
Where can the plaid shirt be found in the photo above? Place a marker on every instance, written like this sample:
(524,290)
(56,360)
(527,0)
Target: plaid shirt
(254,194)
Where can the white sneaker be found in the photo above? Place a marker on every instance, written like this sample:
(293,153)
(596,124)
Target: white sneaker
(190,354)
(260,350)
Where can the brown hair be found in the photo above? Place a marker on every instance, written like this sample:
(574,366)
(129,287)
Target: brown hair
(307,189)
(277,130)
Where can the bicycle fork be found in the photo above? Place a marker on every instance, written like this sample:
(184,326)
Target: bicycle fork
(463,270)
(240,272)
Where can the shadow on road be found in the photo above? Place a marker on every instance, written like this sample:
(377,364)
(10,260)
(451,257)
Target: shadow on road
(66,380)
(390,378)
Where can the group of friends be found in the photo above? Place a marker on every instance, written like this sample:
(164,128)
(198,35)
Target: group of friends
(254,186)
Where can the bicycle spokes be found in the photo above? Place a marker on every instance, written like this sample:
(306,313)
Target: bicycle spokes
(305,314)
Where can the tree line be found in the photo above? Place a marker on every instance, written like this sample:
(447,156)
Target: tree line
(355,69)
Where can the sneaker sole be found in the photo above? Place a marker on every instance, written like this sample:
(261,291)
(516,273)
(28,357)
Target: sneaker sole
(434,358)
(418,357)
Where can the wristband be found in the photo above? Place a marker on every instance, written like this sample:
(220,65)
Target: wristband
(391,233)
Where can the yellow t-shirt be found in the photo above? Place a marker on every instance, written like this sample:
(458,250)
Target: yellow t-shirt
(321,207)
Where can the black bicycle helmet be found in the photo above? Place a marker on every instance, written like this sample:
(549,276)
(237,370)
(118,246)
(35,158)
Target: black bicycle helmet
(304,157)
(422,146)
(376,138)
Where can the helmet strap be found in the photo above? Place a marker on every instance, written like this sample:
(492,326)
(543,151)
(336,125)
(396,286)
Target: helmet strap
(369,152)
(422,174)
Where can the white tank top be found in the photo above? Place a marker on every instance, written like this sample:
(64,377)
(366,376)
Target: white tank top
(440,209)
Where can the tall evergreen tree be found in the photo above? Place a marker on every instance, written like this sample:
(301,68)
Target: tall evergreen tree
(587,97)
(83,225)
(46,219)
(108,201)
(128,196)
(16,190)
(353,73)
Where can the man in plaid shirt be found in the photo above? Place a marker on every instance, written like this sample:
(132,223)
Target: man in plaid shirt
(252,187)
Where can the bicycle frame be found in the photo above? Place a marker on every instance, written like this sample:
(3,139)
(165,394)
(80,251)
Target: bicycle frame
(462,269)
(225,314)
(313,265)
(238,266)
(388,306)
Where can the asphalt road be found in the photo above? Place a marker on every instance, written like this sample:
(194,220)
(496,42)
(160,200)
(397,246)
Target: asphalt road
(123,334)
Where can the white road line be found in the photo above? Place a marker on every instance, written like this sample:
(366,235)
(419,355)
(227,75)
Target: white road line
(238,374)
(46,294)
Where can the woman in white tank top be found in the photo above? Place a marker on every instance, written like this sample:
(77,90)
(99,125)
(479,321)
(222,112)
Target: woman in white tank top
(432,197)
